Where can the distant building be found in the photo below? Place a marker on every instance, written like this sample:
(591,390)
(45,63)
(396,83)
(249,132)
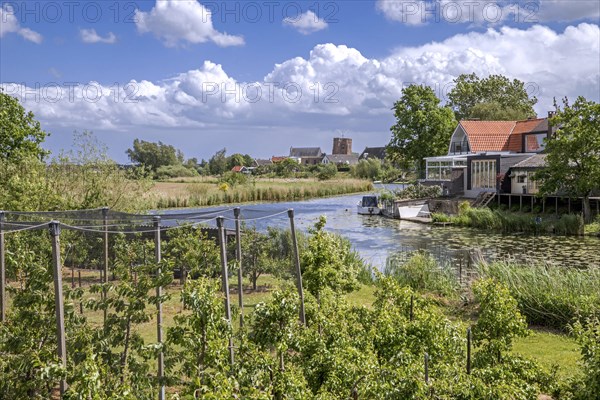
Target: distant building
(373,152)
(307,155)
(239,168)
(260,163)
(341,159)
(278,159)
(342,146)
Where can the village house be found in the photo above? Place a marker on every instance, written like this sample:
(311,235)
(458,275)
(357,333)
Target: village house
(373,152)
(307,155)
(341,154)
(481,153)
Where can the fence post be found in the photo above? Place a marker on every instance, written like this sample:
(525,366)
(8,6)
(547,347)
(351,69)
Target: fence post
(2,271)
(297,262)
(238,255)
(427,368)
(225,279)
(58,296)
(468,350)
(105,278)
(159,339)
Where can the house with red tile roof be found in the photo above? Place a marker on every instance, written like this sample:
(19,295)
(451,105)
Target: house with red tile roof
(481,152)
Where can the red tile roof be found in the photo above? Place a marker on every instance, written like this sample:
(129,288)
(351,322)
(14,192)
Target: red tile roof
(488,135)
(276,159)
(498,135)
(237,168)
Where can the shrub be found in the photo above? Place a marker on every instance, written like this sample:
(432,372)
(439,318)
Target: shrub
(174,171)
(419,191)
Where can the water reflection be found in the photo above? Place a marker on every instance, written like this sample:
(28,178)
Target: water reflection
(376,238)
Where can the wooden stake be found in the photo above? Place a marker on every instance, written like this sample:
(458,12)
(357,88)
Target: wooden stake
(159,338)
(298,269)
(2,271)
(58,295)
(238,256)
(468,350)
(225,278)
(105,278)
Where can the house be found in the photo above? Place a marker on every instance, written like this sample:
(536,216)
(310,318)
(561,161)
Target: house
(240,168)
(341,159)
(480,153)
(261,163)
(373,152)
(277,159)
(307,155)
(521,176)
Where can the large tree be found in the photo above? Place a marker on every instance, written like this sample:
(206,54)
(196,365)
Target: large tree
(154,155)
(423,127)
(573,153)
(493,98)
(21,135)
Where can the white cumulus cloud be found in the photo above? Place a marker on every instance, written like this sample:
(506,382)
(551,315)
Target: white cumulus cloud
(90,36)
(306,23)
(175,21)
(334,87)
(10,24)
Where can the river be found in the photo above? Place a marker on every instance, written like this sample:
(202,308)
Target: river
(376,237)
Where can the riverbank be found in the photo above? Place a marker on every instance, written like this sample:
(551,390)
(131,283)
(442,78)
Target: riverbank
(199,192)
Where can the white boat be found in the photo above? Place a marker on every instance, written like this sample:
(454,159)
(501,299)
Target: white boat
(369,205)
(413,209)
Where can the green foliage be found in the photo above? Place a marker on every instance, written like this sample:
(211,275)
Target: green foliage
(587,335)
(368,169)
(421,272)
(489,98)
(234,178)
(326,172)
(258,258)
(418,191)
(21,135)
(423,127)
(550,296)
(192,252)
(175,171)
(217,164)
(499,321)
(572,161)
(324,264)
(512,221)
(154,155)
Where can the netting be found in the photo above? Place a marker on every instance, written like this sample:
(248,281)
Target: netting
(103,220)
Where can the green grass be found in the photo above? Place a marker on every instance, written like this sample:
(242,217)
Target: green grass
(550,349)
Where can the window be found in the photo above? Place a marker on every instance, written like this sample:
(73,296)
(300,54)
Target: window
(521,179)
(483,174)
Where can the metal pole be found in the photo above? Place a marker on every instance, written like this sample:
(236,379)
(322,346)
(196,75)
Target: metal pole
(468,350)
(58,295)
(297,262)
(2,271)
(159,338)
(224,276)
(238,255)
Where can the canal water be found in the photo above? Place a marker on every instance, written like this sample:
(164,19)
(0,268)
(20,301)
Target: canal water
(377,238)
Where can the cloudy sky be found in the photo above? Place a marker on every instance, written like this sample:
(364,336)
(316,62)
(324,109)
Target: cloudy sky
(260,76)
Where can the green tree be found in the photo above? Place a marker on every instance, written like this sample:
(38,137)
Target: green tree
(21,134)
(154,155)
(423,128)
(368,169)
(573,153)
(217,164)
(491,98)
(326,171)
(256,260)
(235,160)
(325,263)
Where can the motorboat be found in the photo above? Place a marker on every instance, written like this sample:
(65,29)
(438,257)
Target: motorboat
(369,205)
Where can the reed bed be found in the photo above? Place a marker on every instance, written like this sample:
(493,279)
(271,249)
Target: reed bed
(549,296)
(198,194)
(510,222)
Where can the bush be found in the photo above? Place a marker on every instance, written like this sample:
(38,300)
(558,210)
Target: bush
(422,273)
(419,191)
(174,171)
(326,172)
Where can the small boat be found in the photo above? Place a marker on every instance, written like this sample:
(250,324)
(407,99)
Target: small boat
(369,205)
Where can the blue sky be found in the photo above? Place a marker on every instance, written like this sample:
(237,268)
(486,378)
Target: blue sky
(297,73)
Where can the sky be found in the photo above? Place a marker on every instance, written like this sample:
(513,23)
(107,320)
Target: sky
(258,77)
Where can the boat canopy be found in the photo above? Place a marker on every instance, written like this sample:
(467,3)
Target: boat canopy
(369,201)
